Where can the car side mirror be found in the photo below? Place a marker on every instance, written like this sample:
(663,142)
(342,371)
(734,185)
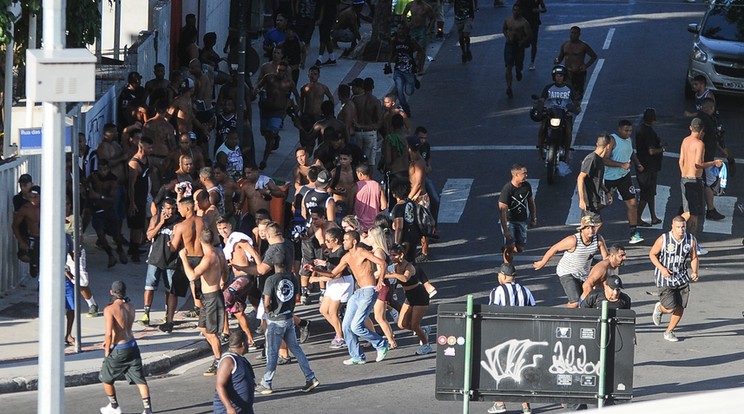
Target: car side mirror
(693,28)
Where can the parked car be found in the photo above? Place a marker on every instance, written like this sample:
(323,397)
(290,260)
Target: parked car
(718,49)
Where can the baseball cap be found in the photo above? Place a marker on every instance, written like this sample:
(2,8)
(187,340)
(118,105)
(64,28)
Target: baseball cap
(25,179)
(507,269)
(119,288)
(357,82)
(588,221)
(324,179)
(697,124)
(35,190)
(614,282)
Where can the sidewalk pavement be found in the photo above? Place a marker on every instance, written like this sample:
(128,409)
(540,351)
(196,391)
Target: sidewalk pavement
(19,323)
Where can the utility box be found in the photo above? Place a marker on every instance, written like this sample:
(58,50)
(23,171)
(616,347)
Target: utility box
(60,75)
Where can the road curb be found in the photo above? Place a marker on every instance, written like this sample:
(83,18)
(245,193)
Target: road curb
(155,366)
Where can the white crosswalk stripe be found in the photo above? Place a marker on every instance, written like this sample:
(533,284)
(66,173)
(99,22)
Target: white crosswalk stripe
(453,199)
(724,205)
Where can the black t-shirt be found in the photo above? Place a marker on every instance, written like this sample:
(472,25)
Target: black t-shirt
(18,202)
(270,257)
(281,287)
(517,199)
(407,211)
(593,166)
(710,136)
(425,151)
(595,298)
(160,254)
(334,258)
(647,138)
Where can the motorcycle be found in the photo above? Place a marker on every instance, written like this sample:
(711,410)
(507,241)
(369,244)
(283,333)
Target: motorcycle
(552,150)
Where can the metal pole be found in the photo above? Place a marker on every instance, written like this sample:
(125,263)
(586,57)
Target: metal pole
(77,225)
(468,356)
(8,96)
(52,287)
(99,36)
(604,332)
(241,77)
(117,28)
(31,45)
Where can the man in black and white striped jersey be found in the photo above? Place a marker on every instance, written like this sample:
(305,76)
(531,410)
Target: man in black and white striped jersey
(669,255)
(509,293)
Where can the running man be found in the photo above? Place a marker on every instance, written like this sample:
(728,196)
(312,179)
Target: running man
(575,51)
(121,353)
(602,270)
(518,35)
(617,174)
(670,254)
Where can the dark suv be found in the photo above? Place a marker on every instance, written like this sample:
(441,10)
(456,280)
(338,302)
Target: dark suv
(718,50)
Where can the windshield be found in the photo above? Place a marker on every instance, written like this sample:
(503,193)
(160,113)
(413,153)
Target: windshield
(725,22)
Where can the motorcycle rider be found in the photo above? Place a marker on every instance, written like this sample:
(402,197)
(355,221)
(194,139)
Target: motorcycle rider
(558,94)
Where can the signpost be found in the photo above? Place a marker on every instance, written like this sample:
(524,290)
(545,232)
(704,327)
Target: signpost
(534,354)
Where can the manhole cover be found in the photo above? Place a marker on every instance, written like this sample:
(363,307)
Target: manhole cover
(21,310)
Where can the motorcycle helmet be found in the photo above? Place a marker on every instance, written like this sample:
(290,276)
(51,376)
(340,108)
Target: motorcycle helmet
(560,69)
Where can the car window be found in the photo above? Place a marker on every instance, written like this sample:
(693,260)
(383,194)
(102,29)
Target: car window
(725,23)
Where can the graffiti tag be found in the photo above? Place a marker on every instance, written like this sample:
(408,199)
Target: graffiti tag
(509,359)
(572,362)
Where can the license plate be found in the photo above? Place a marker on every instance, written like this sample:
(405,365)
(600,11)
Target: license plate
(734,85)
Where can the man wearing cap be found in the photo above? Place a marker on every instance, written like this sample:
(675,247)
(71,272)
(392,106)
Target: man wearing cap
(579,250)
(320,197)
(28,217)
(368,117)
(121,353)
(509,293)
(611,292)
(692,167)
(670,254)
(604,269)
(25,182)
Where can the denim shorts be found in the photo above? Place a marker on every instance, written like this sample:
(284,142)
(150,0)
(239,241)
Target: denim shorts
(518,230)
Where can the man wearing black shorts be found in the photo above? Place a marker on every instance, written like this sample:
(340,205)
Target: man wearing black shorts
(517,34)
(650,153)
(617,174)
(122,355)
(670,254)
(212,270)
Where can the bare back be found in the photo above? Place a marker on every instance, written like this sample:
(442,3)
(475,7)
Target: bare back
(690,153)
(211,269)
(119,318)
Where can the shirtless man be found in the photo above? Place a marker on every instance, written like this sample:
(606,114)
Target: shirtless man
(343,185)
(518,34)
(417,178)
(109,149)
(299,173)
(207,211)
(422,21)
(312,95)
(29,215)
(202,101)
(346,28)
(274,100)
(157,88)
(239,251)
(163,138)
(182,109)
(230,188)
(347,112)
(391,108)
(277,55)
(121,353)
(360,261)
(318,129)
(186,237)
(692,167)
(212,271)
(256,190)
(215,192)
(101,195)
(607,267)
(185,147)
(368,117)
(575,51)
(139,189)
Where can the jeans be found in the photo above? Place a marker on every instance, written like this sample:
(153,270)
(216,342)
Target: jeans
(357,309)
(276,331)
(405,86)
(367,141)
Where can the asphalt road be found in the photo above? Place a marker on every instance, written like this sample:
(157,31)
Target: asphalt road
(465,105)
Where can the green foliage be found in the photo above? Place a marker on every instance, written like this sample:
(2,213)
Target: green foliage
(82,18)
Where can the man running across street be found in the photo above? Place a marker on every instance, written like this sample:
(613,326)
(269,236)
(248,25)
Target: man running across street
(617,174)
(517,34)
(515,202)
(669,255)
(602,270)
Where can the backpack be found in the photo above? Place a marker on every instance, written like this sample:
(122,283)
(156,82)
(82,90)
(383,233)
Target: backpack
(425,221)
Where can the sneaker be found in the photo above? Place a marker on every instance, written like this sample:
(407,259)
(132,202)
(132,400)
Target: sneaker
(166,327)
(381,354)
(635,238)
(532,66)
(304,332)
(353,361)
(656,315)
(263,390)
(423,349)
(701,251)
(498,407)
(311,385)
(714,215)
(519,75)
(212,370)
(670,336)
(318,63)
(224,339)
(304,299)
(329,62)
(93,312)
(110,410)
(283,361)
(337,343)
(145,320)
